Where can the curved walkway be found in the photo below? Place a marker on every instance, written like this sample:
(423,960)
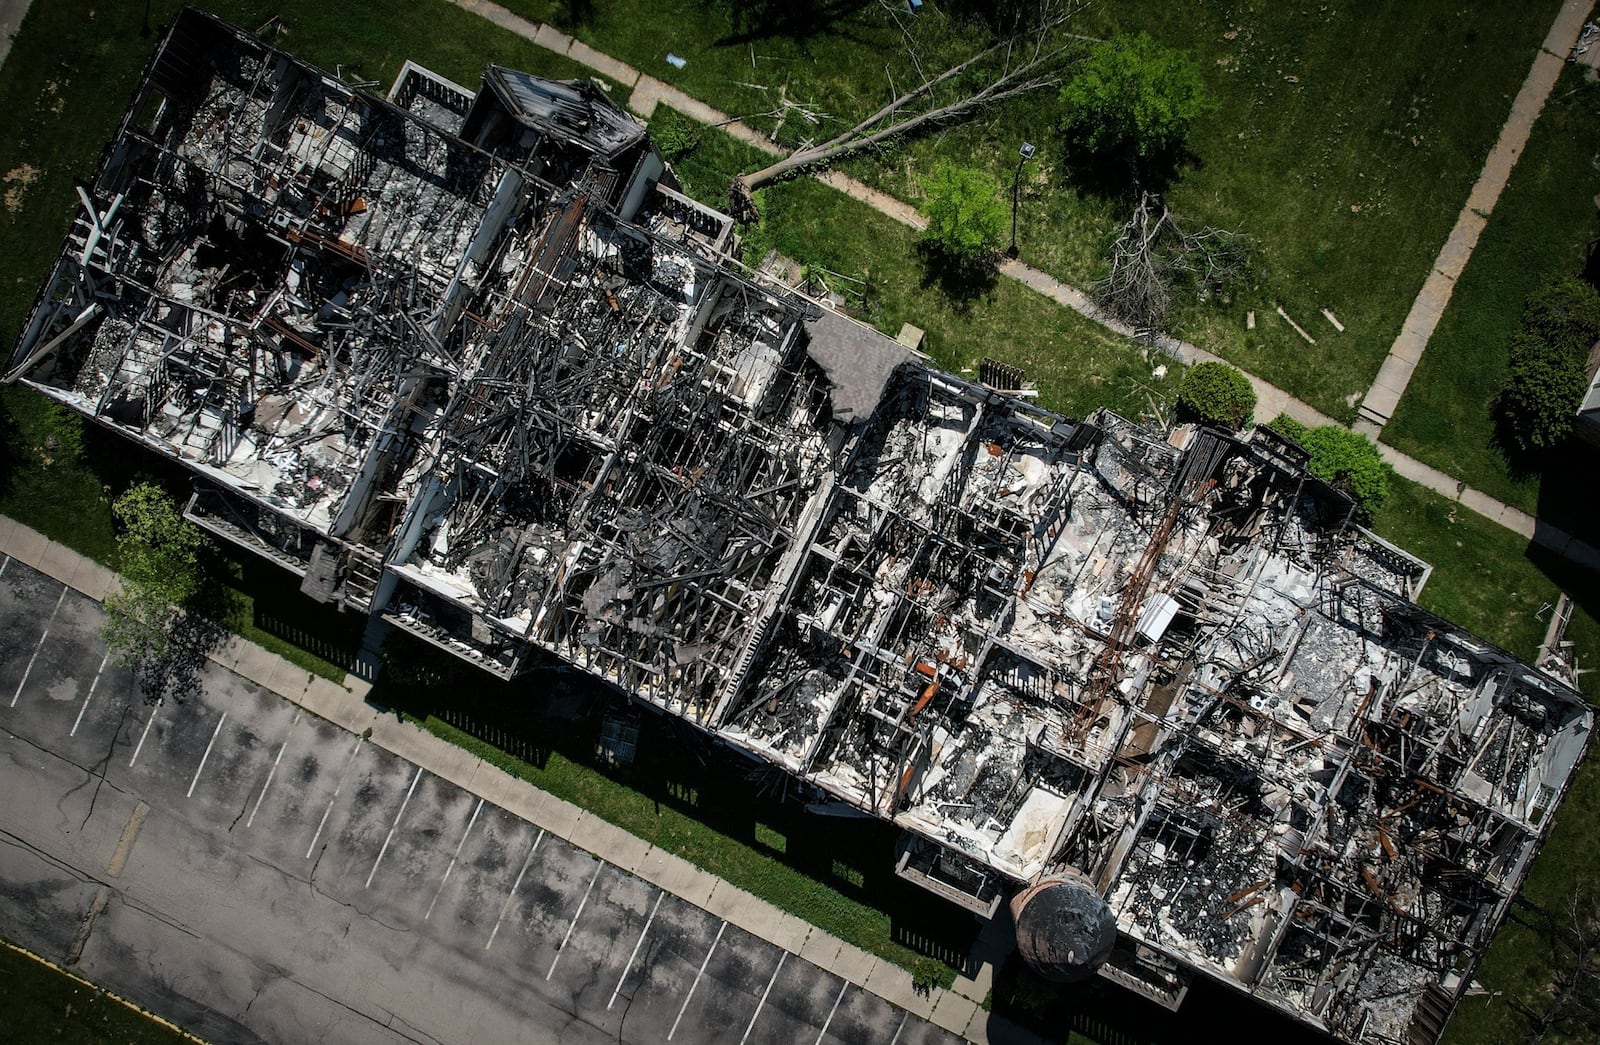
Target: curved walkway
(647,93)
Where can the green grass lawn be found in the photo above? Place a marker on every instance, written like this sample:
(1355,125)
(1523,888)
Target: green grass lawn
(1077,365)
(44,1004)
(1541,226)
(1345,141)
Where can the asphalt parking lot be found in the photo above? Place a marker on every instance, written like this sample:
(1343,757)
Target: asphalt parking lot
(255,873)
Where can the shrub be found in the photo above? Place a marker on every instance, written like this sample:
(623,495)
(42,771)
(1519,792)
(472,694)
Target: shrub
(1216,394)
(1348,461)
(676,137)
(1546,372)
(1133,94)
(1564,312)
(966,215)
(1537,403)
(926,974)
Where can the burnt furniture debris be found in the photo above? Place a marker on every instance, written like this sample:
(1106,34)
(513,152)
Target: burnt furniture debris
(467,360)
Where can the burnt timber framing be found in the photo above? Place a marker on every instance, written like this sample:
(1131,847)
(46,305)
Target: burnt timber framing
(468,361)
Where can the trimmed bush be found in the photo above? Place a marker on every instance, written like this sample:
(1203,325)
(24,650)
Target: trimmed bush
(1348,461)
(1216,394)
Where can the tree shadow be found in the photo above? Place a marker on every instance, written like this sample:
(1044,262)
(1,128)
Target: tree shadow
(675,769)
(13,454)
(175,674)
(573,14)
(963,282)
(1120,175)
(797,20)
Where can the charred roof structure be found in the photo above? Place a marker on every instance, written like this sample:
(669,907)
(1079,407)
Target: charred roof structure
(468,361)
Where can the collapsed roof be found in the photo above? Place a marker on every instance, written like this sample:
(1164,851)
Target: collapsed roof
(468,361)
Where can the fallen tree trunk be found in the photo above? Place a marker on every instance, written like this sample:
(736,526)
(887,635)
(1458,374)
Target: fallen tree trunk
(904,114)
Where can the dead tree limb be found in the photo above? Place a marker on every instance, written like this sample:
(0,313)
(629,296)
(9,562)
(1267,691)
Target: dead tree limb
(1027,59)
(1154,258)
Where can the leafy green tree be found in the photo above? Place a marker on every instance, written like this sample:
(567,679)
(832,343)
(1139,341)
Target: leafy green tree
(1216,394)
(1348,461)
(966,215)
(158,557)
(1132,94)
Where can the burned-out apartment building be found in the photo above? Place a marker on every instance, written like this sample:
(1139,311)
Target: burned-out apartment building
(467,360)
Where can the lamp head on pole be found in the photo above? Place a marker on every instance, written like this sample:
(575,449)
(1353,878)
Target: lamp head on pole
(1027,150)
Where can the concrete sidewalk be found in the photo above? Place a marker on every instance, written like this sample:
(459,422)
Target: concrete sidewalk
(958,1010)
(648,93)
(12,12)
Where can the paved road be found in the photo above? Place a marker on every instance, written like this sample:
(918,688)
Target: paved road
(257,874)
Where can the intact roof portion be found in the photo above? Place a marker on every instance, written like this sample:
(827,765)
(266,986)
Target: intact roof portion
(858,359)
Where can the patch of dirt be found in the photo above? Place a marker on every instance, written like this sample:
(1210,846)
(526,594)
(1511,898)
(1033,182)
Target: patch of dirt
(17,181)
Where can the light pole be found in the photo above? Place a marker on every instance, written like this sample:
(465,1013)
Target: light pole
(1026,154)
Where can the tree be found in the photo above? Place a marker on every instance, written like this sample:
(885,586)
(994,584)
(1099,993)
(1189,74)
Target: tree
(966,216)
(158,553)
(1133,95)
(1348,461)
(1216,394)
(1027,57)
(1541,394)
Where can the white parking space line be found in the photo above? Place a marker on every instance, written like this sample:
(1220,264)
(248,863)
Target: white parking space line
(635,953)
(39,646)
(270,772)
(472,820)
(3,566)
(156,707)
(903,1017)
(392,828)
(782,956)
(507,905)
(89,696)
(340,787)
(704,962)
(599,866)
(201,767)
(826,1023)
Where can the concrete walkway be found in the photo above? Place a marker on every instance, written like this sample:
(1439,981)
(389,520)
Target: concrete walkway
(11,14)
(648,92)
(958,1010)
(1384,396)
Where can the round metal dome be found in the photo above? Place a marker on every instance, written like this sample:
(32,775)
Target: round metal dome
(1064,929)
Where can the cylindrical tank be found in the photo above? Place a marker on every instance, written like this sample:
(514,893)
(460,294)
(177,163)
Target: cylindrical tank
(1065,931)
